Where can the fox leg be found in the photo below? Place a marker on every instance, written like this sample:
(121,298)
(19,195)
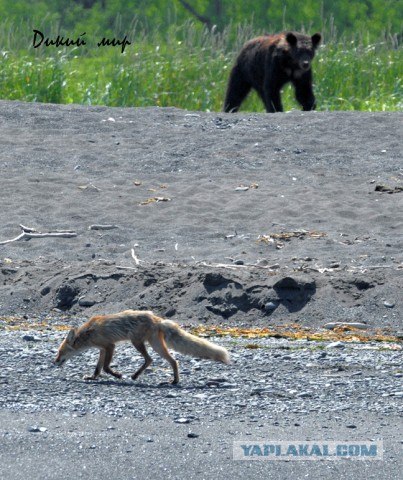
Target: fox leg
(158,344)
(147,359)
(99,366)
(108,358)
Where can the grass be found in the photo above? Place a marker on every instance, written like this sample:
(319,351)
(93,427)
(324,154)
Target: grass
(189,68)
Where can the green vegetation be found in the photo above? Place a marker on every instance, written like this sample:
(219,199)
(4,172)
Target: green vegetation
(177,60)
(375,17)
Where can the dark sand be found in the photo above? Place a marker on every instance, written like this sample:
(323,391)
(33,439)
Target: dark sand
(69,167)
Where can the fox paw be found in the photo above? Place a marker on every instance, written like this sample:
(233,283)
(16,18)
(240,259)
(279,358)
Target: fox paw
(166,383)
(89,377)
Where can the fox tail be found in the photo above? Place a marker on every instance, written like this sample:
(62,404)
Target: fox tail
(189,344)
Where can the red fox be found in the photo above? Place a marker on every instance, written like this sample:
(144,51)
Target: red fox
(138,326)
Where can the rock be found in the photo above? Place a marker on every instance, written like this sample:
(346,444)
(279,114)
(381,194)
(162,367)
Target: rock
(30,338)
(336,345)
(193,435)
(223,310)
(333,325)
(304,394)
(200,396)
(45,290)
(182,420)
(212,383)
(270,306)
(170,312)
(389,304)
(36,429)
(86,301)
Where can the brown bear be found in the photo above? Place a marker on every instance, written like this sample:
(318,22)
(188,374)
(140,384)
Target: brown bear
(267,63)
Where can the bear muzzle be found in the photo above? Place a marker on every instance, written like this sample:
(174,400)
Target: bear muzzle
(305,65)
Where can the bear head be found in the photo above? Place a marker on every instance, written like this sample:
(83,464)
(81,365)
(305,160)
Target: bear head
(301,49)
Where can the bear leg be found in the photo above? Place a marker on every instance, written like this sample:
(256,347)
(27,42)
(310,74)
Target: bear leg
(272,100)
(304,92)
(237,91)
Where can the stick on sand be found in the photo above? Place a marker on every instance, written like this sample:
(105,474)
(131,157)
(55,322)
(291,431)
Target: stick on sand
(28,233)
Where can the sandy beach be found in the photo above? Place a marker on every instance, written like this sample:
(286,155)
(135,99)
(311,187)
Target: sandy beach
(216,221)
(248,219)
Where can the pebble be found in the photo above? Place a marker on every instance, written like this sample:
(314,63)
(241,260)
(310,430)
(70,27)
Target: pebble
(335,345)
(36,429)
(86,302)
(333,325)
(389,304)
(259,383)
(182,420)
(270,306)
(30,338)
(304,394)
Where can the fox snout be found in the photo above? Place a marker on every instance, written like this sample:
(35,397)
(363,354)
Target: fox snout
(59,360)
(66,350)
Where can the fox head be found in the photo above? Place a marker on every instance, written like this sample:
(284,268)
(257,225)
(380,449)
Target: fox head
(66,349)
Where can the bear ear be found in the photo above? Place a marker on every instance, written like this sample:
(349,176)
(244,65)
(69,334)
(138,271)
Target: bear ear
(291,39)
(316,38)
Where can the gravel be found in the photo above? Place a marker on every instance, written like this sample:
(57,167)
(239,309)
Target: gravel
(269,376)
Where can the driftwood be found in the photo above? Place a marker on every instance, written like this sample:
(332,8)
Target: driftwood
(28,233)
(102,227)
(271,268)
(136,260)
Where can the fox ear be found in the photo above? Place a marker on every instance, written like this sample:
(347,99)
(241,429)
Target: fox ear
(291,39)
(71,336)
(316,38)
